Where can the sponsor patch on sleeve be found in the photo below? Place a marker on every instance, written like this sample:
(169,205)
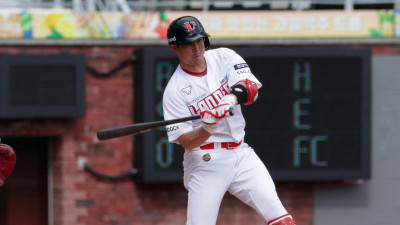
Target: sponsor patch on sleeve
(240,66)
(172,128)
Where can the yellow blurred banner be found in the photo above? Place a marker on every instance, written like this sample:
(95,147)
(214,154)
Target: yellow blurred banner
(294,24)
(69,25)
(66,24)
(10,25)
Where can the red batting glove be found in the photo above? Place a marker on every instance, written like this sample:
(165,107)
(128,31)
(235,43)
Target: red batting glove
(7,162)
(209,120)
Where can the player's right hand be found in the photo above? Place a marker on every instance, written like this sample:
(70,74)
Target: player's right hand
(209,120)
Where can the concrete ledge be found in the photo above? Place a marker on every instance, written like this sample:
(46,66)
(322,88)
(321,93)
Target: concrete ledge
(224,42)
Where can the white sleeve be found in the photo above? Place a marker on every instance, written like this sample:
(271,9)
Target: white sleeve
(238,69)
(174,107)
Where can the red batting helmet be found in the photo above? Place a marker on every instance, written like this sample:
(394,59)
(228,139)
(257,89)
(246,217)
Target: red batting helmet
(185,30)
(7,161)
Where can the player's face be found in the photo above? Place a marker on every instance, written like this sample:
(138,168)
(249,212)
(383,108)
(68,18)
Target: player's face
(192,54)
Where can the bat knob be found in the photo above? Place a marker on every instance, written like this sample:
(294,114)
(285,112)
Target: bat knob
(231,111)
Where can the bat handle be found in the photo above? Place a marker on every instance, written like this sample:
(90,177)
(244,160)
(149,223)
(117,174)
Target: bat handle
(231,111)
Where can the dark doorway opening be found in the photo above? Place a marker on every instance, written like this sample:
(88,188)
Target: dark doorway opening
(24,196)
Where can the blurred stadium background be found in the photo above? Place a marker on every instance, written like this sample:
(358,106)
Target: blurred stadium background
(71,68)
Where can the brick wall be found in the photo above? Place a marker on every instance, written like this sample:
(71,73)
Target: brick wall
(80,198)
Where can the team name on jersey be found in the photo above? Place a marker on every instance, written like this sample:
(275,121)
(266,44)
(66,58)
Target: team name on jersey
(210,101)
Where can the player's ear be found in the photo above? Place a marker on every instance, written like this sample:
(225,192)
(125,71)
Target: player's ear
(173,47)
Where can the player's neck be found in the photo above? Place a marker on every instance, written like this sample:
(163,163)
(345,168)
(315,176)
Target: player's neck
(198,69)
(201,73)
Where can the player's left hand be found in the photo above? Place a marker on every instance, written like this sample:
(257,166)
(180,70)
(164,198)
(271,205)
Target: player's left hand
(222,109)
(7,162)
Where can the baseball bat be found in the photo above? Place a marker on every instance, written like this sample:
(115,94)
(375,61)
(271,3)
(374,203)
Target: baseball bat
(138,128)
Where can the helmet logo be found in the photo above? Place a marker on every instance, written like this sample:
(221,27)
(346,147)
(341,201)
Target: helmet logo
(191,25)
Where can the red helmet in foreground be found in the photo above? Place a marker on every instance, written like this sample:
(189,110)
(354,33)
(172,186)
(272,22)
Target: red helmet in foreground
(7,162)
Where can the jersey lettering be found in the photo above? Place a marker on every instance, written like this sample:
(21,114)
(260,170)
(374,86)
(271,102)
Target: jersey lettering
(224,91)
(193,110)
(172,128)
(243,71)
(201,105)
(240,66)
(210,101)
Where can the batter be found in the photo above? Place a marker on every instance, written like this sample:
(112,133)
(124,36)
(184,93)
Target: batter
(217,158)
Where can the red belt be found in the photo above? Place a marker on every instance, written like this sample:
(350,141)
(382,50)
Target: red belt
(227,145)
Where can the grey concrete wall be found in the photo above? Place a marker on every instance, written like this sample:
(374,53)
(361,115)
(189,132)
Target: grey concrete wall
(374,201)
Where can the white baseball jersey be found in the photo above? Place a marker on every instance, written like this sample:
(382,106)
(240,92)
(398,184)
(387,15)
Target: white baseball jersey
(185,94)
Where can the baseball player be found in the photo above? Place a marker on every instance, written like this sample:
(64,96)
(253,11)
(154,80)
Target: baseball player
(217,158)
